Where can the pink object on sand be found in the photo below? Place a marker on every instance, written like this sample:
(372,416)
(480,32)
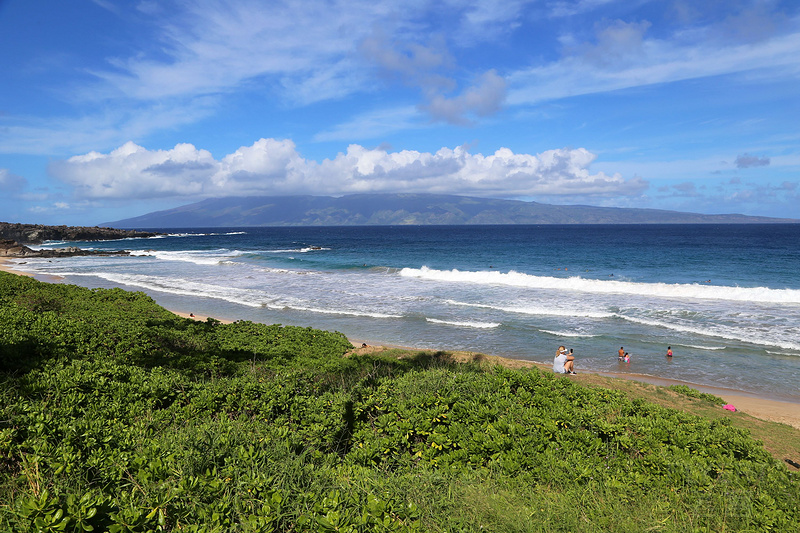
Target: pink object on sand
(729,407)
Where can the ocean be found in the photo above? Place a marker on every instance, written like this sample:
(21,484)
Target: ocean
(725,298)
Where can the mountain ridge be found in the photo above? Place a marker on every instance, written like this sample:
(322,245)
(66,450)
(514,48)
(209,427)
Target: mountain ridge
(407,209)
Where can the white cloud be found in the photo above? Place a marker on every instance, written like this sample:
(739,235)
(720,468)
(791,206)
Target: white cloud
(131,171)
(62,135)
(56,207)
(489,20)
(564,8)
(274,167)
(622,57)
(211,47)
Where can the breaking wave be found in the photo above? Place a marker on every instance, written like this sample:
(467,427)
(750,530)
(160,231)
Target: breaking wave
(594,286)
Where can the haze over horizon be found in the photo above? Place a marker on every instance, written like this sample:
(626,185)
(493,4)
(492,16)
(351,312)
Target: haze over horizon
(110,110)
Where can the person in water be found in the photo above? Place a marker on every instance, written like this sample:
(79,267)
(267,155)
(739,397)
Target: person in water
(669,352)
(621,353)
(564,363)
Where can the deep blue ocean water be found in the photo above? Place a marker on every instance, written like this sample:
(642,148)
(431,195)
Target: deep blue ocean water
(726,298)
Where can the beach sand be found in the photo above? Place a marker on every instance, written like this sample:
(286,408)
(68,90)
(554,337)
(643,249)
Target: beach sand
(763,408)
(8,266)
(200,318)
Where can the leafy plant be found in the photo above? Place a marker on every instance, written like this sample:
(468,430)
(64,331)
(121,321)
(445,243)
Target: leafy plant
(116,415)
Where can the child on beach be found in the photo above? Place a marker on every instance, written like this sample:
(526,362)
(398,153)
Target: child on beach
(564,363)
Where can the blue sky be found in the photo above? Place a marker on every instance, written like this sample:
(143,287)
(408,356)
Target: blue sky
(111,109)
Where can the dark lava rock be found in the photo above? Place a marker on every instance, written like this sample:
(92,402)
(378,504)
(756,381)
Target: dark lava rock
(38,233)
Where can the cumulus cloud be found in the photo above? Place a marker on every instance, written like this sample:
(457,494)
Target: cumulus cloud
(748,161)
(274,167)
(11,182)
(131,171)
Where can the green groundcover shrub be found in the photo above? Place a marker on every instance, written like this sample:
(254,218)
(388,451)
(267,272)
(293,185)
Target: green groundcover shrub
(116,415)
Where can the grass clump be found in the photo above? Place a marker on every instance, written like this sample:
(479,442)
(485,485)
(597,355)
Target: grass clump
(694,393)
(116,415)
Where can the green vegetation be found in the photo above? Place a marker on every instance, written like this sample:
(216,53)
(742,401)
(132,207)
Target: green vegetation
(116,415)
(694,393)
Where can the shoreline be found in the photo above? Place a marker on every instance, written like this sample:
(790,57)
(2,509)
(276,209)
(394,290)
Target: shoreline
(7,266)
(771,409)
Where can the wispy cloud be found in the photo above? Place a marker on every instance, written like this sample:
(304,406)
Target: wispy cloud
(622,56)
(111,127)
(374,124)
(212,47)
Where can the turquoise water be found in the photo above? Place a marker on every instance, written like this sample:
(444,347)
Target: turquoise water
(725,298)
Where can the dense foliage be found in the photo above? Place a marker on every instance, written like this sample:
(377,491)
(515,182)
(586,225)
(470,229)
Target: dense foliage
(116,415)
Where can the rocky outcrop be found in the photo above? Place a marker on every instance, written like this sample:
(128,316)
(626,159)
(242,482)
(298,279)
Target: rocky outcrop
(11,248)
(38,233)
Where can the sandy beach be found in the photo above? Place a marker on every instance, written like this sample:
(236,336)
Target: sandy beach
(762,408)
(8,266)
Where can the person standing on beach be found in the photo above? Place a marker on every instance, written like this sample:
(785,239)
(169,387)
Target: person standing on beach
(564,363)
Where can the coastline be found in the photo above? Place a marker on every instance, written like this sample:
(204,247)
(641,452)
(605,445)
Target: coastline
(770,409)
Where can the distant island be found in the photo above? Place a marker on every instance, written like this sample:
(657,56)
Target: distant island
(407,209)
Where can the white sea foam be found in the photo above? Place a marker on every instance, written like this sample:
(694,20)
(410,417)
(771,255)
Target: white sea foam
(368,314)
(178,286)
(594,286)
(785,354)
(289,271)
(198,234)
(212,257)
(720,332)
(569,334)
(712,348)
(465,324)
(304,250)
(540,310)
